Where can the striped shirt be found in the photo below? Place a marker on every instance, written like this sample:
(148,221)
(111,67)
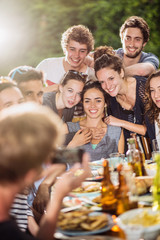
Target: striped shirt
(20,211)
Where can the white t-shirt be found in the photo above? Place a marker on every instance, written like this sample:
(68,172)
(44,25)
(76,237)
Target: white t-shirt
(54,71)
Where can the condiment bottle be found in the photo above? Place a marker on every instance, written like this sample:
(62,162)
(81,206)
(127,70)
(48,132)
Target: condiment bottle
(156,184)
(142,156)
(133,157)
(108,198)
(122,193)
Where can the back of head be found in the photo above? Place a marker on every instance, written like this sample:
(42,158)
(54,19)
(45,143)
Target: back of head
(80,34)
(29,133)
(106,57)
(25,74)
(136,22)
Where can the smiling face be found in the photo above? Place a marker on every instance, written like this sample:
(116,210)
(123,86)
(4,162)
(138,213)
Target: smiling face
(10,96)
(110,80)
(32,90)
(155,90)
(94,103)
(132,42)
(75,54)
(71,93)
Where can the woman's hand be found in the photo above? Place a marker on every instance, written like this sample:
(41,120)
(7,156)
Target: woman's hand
(113,121)
(97,133)
(82,137)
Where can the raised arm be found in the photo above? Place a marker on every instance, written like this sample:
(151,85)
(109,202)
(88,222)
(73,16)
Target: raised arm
(137,128)
(140,69)
(64,185)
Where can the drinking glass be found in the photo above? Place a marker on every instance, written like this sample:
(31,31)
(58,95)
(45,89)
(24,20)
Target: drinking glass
(114,160)
(156,145)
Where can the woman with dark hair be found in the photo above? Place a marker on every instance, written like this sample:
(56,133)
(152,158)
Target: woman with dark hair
(125,94)
(68,96)
(104,139)
(152,105)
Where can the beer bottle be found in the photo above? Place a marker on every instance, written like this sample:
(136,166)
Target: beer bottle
(142,156)
(156,184)
(122,193)
(108,198)
(133,157)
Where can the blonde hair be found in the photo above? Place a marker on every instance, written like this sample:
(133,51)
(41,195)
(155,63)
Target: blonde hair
(29,133)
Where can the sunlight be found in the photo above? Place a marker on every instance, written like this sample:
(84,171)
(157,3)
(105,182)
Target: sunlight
(4,35)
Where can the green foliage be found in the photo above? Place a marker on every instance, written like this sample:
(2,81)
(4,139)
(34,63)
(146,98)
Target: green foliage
(40,24)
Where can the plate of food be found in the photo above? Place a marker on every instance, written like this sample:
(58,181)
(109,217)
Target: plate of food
(87,189)
(84,223)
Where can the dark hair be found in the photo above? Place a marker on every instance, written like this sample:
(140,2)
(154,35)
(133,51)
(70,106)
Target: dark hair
(95,84)
(72,74)
(99,51)
(151,109)
(25,74)
(136,22)
(109,59)
(6,82)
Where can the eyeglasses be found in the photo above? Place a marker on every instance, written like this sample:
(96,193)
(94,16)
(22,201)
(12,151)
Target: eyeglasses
(81,74)
(21,70)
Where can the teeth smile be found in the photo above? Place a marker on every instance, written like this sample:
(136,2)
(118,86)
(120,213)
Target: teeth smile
(110,90)
(93,111)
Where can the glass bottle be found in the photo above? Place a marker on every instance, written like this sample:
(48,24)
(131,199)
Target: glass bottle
(133,157)
(141,152)
(156,184)
(122,193)
(108,198)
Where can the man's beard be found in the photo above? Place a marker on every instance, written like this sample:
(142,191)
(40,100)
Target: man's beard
(135,54)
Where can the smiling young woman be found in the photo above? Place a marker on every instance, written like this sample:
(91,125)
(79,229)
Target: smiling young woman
(152,105)
(68,96)
(92,134)
(126,93)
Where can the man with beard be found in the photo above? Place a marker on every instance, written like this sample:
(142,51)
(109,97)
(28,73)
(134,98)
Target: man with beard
(134,34)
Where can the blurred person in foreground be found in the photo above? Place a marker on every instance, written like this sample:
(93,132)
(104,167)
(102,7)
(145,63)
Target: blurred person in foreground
(29,135)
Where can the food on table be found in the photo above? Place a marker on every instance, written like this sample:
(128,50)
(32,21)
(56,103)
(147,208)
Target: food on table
(97,199)
(81,220)
(88,187)
(145,219)
(143,184)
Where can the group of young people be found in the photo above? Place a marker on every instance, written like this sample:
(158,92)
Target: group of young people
(98,98)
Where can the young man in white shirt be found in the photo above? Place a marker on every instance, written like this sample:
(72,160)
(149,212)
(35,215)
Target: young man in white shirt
(77,41)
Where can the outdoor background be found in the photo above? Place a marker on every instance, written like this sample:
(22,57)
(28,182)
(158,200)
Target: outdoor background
(30,30)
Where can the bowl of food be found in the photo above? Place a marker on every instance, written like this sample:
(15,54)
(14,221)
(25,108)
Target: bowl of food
(140,223)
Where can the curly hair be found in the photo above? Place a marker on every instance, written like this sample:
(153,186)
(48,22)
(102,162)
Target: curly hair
(78,33)
(99,51)
(136,22)
(106,57)
(151,110)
